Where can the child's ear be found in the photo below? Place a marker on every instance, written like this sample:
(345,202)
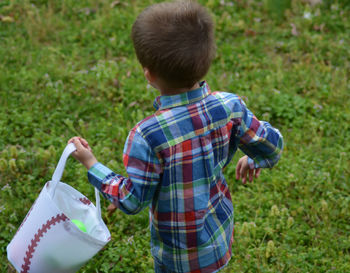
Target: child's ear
(148,75)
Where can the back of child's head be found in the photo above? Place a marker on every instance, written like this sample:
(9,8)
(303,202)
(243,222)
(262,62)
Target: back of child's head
(175,41)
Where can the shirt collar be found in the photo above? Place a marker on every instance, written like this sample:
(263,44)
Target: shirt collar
(165,102)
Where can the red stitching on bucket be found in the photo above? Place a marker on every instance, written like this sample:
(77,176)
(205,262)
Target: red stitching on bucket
(85,201)
(37,237)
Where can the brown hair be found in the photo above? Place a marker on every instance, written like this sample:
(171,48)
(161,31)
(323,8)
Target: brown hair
(175,41)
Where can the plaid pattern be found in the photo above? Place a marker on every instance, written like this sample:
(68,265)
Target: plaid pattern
(174,160)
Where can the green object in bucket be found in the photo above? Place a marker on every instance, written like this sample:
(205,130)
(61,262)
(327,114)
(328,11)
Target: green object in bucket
(79,224)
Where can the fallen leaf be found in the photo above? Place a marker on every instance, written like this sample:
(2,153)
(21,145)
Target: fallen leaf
(114,3)
(313,2)
(6,19)
(87,11)
(132,104)
(249,32)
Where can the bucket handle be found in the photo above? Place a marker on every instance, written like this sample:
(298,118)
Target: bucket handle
(57,175)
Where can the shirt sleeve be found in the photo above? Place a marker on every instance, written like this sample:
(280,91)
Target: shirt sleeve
(133,193)
(259,140)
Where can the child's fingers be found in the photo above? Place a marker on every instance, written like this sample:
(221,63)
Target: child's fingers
(238,169)
(257,172)
(84,142)
(243,174)
(71,140)
(111,208)
(77,143)
(251,172)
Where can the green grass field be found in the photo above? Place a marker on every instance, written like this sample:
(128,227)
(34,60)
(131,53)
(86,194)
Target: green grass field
(68,68)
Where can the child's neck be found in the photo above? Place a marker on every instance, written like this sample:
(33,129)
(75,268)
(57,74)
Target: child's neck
(174,91)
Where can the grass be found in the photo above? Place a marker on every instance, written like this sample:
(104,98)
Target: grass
(67,67)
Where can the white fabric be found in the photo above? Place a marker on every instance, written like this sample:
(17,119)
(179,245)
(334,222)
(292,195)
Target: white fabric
(47,240)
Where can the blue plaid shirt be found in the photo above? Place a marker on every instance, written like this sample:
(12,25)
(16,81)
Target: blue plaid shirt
(174,161)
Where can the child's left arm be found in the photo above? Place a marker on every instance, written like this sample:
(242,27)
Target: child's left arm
(262,143)
(243,169)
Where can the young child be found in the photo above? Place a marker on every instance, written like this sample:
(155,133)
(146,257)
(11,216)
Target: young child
(175,157)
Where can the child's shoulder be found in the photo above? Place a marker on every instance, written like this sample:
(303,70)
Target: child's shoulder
(151,127)
(225,95)
(151,122)
(148,122)
(231,100)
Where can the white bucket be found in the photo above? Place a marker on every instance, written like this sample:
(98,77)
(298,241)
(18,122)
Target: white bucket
(47,240)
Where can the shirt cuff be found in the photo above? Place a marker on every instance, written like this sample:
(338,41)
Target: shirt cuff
(97,173)
(252,165)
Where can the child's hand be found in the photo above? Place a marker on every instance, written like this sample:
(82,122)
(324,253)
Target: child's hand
(111,208)
(242,169)
(83,153)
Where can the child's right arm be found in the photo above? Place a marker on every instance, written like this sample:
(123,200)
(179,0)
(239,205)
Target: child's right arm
(130,194)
